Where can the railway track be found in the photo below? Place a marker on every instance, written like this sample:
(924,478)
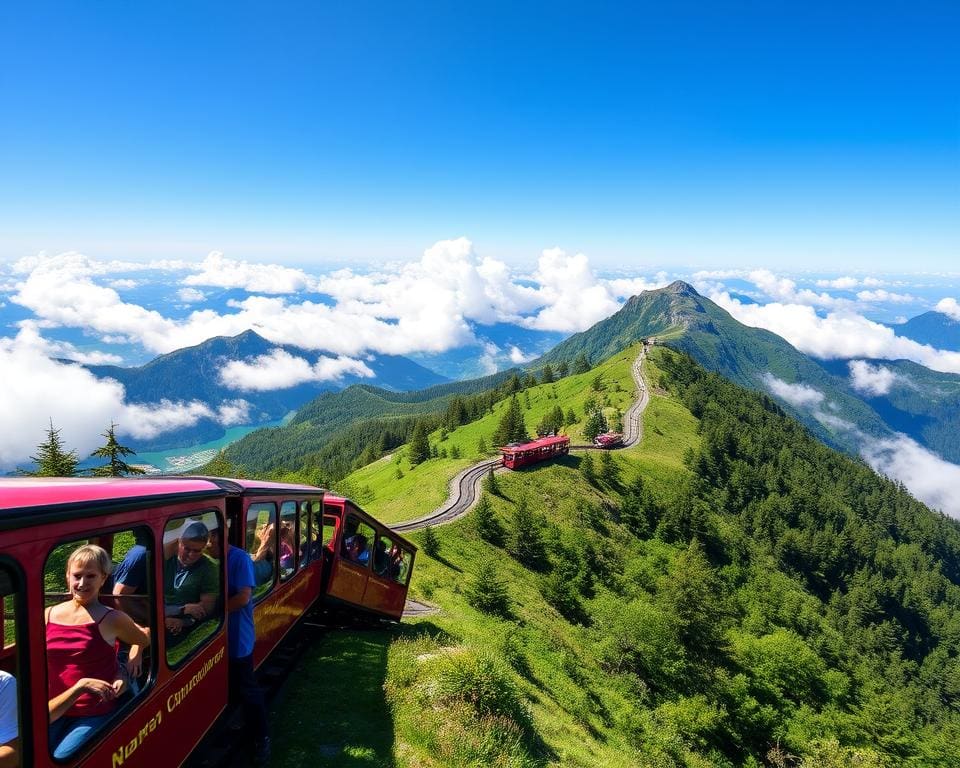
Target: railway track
(464,489)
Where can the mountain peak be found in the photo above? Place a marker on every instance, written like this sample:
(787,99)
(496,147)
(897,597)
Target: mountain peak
(681,288)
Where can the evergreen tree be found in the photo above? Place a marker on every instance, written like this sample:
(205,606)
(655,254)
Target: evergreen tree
(594,425)
(562,369)
(116,467)
(485,522)
(511,428)
(430,542)
(609,471)
(529,381)
(52,459)
(597,384)
(525,540)
(487,592)
(481,447)
(581,364)
(221,466)
(454,451)
(587,469)
(490,484)
(419,450)
(571,418)
(546,375)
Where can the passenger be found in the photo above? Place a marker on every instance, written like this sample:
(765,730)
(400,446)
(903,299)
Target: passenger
(264,556)
(287,545)
(240,642)
(381,561)
(357,550)
(191,582)
(9,727)
(398,564)
(130,578)
(84,676)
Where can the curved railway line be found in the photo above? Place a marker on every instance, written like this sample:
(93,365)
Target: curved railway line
(464,489)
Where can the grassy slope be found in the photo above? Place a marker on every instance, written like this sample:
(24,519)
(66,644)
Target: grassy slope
(421,489)
(577,712)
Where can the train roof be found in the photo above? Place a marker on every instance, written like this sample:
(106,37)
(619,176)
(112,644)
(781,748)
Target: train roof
(257,487)
(534,444)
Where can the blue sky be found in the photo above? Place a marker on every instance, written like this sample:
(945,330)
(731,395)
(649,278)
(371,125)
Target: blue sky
(739,134)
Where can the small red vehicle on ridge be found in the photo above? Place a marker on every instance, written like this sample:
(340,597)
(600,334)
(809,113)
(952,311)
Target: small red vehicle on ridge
(305,552)
(520,455)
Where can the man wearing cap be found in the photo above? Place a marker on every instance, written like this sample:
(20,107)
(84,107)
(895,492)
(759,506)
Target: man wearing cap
(191,582)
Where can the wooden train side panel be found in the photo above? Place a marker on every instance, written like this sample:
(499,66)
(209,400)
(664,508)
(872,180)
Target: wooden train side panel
(348,581)
(384,595)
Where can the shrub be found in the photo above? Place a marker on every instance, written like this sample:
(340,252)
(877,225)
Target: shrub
(487,592)
(430,542)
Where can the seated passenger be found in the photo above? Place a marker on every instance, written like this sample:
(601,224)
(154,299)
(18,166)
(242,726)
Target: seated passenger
(265,555)
(381,561)
(84,676)
(286,546)
(191,582)
(9,728)
(357,551)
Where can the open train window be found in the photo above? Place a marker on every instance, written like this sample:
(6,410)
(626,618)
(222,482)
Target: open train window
(192,587)
(10,741)
(358,540)
(262,542)
(288,539)
(98,636)
(391,560)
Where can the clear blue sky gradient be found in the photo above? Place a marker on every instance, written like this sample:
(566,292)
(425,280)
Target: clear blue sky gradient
(752,133)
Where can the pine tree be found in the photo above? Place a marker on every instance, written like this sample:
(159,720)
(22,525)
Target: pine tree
(562,369)
(490,484)
(485,522)
(481,447)
(511,428)
(419,450)
(546,375)
(525,540)
(430,543)
(115,452)
(221,466)
(594,425)
(609,471)
(52,459)
(487,592)
(581,364)
(571,417)
(587,469)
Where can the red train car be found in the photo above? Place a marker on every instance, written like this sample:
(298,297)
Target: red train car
(522,455)
(162,715)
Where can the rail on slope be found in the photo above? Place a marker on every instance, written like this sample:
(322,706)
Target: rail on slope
(464,489)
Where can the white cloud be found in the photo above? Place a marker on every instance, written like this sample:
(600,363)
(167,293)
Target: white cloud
(35,389)
(840,283)
(929,478)
(124,283)
(798,395)
(233,412)
(488,360)
(872,379)
(30,335)
(785,290)
(886,296)
(842,334)
(517,357)
(190,295)
(281,370)
(949,307)
(221,272)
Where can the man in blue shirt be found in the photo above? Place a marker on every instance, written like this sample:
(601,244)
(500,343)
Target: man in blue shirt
(240,642)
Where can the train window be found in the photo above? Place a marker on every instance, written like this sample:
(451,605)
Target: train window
(329,530)
(192,588)
(306,548)
(288,540)
(10,741)
(391,560)
(358,538)
(97,654)
(262,543)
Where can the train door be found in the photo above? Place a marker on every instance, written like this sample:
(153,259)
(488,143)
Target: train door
(15,731)
(387,585)
(351,570)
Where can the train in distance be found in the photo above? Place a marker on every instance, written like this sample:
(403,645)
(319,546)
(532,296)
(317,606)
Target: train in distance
(309,550)
(517,455)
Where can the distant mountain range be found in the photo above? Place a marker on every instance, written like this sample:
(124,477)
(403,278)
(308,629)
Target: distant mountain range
(921,403)
(193,374)
(933,328)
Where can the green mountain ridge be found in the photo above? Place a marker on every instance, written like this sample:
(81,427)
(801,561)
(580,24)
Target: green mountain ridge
(730,592)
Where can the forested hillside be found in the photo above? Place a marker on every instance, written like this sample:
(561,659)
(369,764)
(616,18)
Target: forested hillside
(729,593)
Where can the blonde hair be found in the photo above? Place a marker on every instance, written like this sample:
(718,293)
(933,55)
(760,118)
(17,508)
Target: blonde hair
(91,553)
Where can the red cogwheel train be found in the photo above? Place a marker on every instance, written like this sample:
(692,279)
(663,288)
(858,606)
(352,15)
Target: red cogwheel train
(308,549)
(517,455)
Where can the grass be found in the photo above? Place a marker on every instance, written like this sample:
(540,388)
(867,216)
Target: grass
(393,495)
(463,688)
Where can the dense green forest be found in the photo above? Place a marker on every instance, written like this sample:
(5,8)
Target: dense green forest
(729,593)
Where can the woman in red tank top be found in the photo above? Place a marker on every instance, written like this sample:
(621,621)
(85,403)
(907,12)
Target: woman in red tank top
(84,677)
